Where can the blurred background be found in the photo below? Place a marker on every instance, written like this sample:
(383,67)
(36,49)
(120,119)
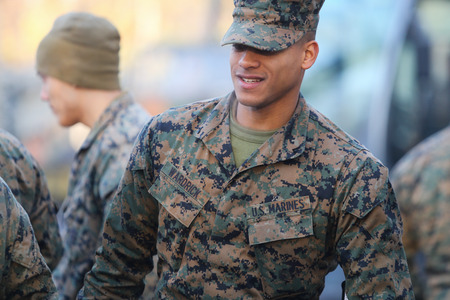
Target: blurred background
(383,72)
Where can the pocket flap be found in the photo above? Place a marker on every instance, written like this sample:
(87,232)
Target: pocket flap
(178,194)
(287,219)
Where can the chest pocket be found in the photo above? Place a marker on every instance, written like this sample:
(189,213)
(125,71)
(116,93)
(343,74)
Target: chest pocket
(280,220)
(279,233)
(178,194)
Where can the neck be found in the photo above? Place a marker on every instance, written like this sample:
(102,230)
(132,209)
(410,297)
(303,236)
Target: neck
(94,103)
(265,119)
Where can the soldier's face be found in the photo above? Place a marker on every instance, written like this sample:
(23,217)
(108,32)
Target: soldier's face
(265,79)
(62,99)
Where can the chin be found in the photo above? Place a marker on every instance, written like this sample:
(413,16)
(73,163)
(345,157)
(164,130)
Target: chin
(251,102)
(64,123)
(247,100)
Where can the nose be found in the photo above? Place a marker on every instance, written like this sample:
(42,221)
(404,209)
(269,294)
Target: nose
(44,90)
(249,59)
(44,94)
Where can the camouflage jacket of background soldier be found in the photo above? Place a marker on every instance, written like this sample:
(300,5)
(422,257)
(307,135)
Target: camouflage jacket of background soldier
(24,274)
(422,184)
(27,181)
(95,174)
(309,198)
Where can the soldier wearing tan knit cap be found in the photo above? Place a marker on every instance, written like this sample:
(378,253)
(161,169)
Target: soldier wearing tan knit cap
(78,61)
(79,54)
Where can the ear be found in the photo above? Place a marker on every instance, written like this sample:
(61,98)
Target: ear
(311,51)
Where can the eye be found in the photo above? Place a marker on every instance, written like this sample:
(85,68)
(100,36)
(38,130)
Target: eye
(264,52)
(239,47)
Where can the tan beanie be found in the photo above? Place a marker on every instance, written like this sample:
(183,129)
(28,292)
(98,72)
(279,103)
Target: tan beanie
(83,50)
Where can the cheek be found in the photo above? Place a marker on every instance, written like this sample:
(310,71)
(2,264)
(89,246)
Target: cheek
(292,68)
(51,92)
(234,59)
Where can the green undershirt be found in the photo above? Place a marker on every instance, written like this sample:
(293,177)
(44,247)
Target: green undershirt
(245,141)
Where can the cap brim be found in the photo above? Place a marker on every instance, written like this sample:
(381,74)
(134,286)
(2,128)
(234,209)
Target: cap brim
(263,37)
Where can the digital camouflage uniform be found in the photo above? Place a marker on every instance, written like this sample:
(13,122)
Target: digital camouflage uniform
(309,198)
(24,273)
(422,184)
(27,181)
(95,175)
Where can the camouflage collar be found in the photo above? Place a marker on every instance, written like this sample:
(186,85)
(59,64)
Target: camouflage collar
(286,143)
(115,107)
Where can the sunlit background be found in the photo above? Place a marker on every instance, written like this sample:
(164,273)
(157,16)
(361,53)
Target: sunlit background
(383,72)
(157,78)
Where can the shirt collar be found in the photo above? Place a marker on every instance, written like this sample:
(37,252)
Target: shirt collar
(286,143)
(109,114)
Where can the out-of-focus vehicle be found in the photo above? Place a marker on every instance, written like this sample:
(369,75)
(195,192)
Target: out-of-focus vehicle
(420,99)
(375,75)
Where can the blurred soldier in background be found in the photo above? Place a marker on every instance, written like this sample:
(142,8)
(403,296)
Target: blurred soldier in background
(256,194)
(78,61)
(421,181)
(23,271)
(28,183)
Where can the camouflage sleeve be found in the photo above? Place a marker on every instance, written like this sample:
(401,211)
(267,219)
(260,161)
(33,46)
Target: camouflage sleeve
(28,183)
(421,183)
(111,170)
(44,222)
(129,236)
(24,272)
(82,244)
(90,204)
(369,234)
(405,193)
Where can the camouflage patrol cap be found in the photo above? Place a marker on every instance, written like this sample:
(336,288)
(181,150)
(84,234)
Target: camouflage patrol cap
(272,25)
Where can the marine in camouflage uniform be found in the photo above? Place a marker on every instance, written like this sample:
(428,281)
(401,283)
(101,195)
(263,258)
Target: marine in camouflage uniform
(24,273)
(27,181)
(95,175)
(78,61)
(421,181)
(272,225)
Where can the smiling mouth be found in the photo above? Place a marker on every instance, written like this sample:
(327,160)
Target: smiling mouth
(252,80)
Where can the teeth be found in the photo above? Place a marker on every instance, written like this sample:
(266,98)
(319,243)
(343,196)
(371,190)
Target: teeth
(251,80)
